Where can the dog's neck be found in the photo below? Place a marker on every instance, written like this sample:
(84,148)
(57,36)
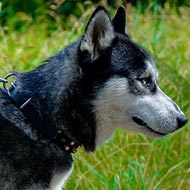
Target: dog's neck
(59,97)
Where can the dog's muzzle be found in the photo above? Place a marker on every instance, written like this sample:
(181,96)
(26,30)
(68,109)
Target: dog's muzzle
(142,123)
(181,121)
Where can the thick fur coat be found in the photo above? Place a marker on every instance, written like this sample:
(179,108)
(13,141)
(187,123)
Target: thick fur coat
(96,84)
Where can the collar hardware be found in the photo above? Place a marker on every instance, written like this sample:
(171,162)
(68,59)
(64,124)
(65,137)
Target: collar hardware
(25,104)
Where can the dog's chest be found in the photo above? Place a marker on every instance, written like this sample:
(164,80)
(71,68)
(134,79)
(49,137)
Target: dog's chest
(59,179)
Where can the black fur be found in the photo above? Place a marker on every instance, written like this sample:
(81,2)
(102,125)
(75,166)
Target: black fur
(64,88)
(119,21)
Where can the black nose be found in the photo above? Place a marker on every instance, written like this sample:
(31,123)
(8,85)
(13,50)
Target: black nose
(181,121)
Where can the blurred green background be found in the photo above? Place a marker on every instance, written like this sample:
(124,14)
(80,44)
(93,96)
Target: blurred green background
(31,31)
(52,9)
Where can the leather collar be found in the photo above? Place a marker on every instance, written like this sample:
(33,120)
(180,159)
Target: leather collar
(26,105)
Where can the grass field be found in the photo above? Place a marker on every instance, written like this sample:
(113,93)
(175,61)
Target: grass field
(129,161)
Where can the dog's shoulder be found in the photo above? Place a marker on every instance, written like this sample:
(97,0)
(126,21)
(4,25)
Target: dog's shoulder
(20,151)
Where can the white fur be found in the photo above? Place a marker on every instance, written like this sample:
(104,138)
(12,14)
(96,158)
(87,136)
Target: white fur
(108,108)
(59,179)
(115,106)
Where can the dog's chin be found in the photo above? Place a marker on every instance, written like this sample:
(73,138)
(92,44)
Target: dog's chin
(151,133)
(148,130)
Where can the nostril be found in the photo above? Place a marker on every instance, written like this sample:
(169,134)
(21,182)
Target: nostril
(181,121)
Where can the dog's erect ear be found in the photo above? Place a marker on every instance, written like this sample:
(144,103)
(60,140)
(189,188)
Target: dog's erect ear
(119,21)
(99,33)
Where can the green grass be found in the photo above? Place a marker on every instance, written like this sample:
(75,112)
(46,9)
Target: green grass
(129,161)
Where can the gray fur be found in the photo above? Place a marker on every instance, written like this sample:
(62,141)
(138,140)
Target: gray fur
(87,90)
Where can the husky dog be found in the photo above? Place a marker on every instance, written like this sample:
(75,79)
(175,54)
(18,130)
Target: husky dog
(78,98)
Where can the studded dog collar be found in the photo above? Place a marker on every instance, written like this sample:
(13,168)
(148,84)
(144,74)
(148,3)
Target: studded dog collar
(25,104)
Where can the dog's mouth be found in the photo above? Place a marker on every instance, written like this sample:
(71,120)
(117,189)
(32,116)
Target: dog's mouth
(142,123)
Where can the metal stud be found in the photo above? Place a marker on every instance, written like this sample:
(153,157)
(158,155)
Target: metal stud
(66,148)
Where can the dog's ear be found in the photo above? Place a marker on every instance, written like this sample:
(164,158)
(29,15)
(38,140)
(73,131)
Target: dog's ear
(99,33)
(119,21)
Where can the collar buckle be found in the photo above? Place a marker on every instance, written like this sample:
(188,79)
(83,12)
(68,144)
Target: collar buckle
(5,81)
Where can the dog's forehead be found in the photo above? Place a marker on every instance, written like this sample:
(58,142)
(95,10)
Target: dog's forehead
(127,51)
(150,68)
(132,58)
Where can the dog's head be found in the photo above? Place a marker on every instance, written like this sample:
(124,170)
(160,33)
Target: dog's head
(126,90)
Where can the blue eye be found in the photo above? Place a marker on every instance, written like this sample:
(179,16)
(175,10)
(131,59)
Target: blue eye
(145,81)
(148,83)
